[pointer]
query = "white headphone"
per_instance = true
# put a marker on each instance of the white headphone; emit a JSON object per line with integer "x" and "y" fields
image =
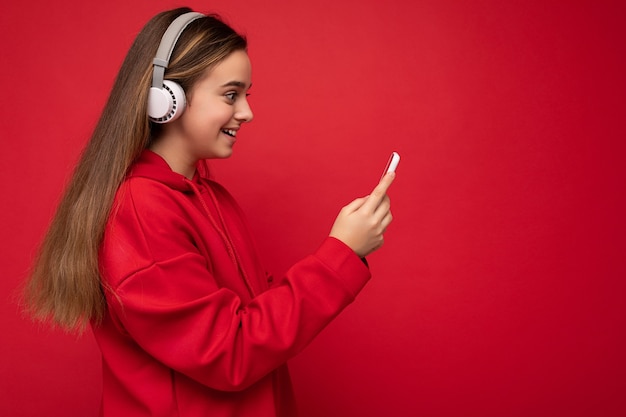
{"x": 166, "y": 99}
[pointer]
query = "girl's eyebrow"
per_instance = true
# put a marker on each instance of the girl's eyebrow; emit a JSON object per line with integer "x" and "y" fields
{"x": 239, "y": 84}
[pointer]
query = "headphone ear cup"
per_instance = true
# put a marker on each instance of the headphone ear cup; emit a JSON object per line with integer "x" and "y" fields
{"x": 166, "y": 104}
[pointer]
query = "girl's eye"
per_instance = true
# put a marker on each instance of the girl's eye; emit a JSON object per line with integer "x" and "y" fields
{"x": 231, "y": 96}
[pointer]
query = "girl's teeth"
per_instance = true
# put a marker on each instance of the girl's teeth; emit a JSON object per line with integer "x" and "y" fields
{"x": 229, "y": 132}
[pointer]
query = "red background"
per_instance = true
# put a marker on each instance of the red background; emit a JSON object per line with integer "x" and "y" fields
{"x": 500, "y": 290}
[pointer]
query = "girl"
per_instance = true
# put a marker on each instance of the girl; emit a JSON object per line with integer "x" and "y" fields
{"x": 158, "y": 258}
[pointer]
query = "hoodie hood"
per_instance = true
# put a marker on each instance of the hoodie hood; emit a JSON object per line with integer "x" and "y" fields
{"x": 153, "y": 166}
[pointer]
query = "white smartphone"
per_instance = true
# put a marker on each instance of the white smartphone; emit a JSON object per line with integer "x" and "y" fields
{"x": 392, "y": 164}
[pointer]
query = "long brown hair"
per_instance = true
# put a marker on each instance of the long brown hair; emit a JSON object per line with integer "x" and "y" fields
{"x": 64, "y": 286}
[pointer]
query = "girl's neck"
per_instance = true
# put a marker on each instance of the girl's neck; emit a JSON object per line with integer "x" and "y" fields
{"x": 178, "y": 165}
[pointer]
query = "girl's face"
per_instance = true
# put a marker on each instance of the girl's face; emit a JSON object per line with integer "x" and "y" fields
{"x": 217, "y": 106}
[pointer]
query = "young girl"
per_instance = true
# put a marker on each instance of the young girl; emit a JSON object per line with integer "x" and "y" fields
{"x": 158, "y": 258}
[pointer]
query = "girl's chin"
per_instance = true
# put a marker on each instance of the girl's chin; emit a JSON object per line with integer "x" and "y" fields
{"x": 224, "y": 154}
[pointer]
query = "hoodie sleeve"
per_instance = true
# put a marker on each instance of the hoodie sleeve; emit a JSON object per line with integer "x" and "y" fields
{"x": 175, "y": 310}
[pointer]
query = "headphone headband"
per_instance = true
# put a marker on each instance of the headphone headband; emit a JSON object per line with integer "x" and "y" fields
{"x": 168, "y": 41}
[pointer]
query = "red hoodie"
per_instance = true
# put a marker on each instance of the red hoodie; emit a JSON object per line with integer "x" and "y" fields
{"x": 194, "y": 326}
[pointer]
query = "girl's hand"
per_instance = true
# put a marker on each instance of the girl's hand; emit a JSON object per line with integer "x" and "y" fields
{"x": 361, "y": 224}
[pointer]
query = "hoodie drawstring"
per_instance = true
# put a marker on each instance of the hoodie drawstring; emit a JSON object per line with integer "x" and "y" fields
{"x": 222, "y": 231}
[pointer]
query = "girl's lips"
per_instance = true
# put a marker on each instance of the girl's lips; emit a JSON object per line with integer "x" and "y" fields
{"x": 230, "y": 138}
{"x": 230, "y": 132}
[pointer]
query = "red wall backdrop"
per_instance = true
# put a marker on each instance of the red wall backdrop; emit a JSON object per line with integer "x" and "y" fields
{"x": 501, "y": 288}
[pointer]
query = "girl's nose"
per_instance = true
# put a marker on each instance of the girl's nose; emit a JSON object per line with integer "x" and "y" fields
{"x": 244, "y": 112}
